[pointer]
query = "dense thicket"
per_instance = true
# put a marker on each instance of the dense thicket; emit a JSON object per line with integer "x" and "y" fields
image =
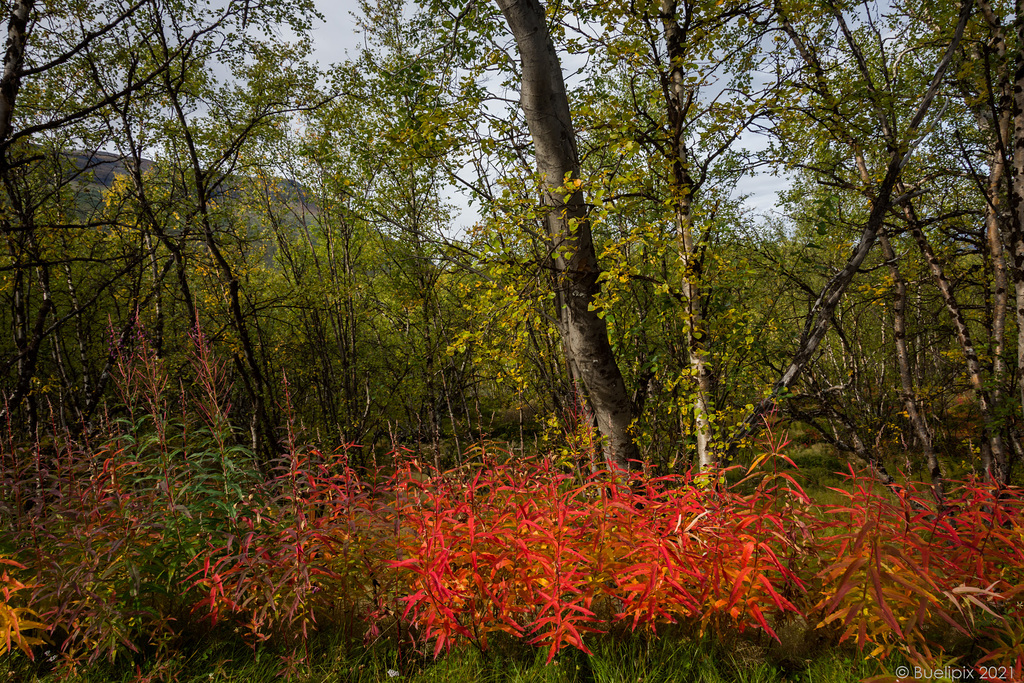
{"x": 169, "y": 171}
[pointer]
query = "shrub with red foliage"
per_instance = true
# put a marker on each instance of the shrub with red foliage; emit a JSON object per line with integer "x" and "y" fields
{"x": 524, "y": 549}
{"x": 312, "y": 554}
{"x": 894, "y": 573}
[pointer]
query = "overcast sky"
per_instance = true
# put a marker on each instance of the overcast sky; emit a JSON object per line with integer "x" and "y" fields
{"x": 338, "y": 32}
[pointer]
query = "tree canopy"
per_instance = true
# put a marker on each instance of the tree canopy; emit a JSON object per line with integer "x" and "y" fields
{"x": 526, "y": 221}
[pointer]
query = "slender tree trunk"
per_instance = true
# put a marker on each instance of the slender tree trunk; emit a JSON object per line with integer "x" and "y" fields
{"x": 26, "y": 342}
{"x": 683, "y": 193}
{"x": 28, "y": 337}
{"x": 14, "y": 59}
{"x": 995, "y": 115}
{"x": 80, "y": 334}
{"x": 910, "y": 404}
{"x": 1017, "y": 192}
{"x": 1000, "y": 291}
{"x": 248, "y": 364}
{"x": 546, "y": 107}
{"x": 996, "y": 465}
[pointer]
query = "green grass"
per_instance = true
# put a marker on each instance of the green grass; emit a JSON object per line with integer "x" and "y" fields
{"x": 630, "y": 658}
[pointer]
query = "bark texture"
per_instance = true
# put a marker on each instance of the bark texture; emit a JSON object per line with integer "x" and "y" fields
{"x": 14, "y": 59}
{"x": 1017, "y": 191}
{"x": 679, "y": 99}
{"x": 546, "y": 107}
{"x": 909, "y": 392}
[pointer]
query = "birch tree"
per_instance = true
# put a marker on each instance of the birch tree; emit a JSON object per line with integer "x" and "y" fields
{"x": 546, "y": 106}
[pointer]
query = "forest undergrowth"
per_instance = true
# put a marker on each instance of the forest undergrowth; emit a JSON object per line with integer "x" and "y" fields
{"x": 162, "y": 535}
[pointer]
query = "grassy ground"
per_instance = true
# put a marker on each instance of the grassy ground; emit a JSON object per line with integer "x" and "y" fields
{"x": 626, "y": 659}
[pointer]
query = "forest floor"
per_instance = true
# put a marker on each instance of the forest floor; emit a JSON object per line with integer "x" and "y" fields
{"x": 623, "y": 658}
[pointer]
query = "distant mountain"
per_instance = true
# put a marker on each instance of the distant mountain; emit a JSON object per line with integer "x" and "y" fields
{"x": 104, "y": 166}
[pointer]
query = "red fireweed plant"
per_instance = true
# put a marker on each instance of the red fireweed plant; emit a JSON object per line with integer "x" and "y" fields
{"x": 311, "y": 555}
{"x": 109, "y": 523}
{"x": 897, "y": 575}
{"x": 525, "y": 549}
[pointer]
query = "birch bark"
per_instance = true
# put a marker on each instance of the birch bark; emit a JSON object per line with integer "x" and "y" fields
{"x": 546, "y": 106}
